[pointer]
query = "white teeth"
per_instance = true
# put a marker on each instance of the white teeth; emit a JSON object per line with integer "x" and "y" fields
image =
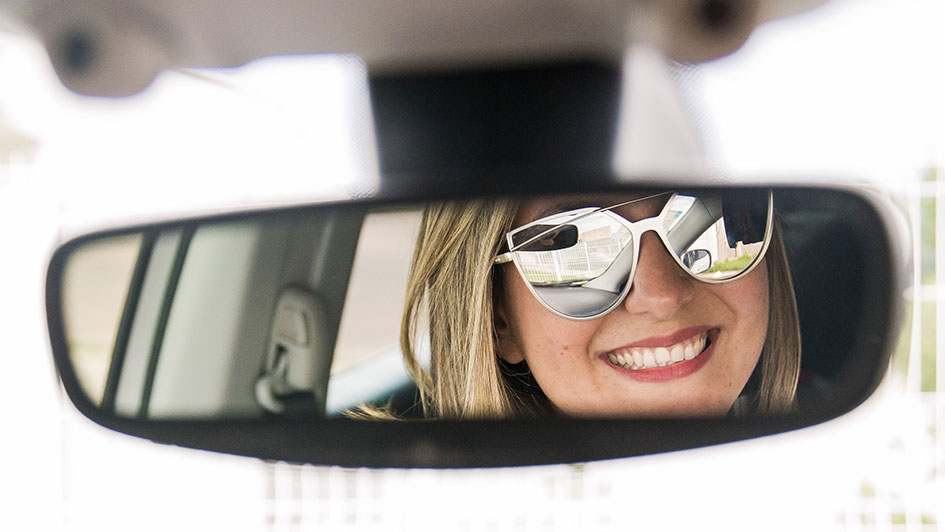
{"x": 645, "y": 357}
{"x": 662, "y": 356}
{"x": 649, "y": 359}
{"x": 678, "y": 353}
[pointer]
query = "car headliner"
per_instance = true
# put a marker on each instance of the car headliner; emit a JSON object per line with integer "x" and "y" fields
{"x": 138, "y": 39}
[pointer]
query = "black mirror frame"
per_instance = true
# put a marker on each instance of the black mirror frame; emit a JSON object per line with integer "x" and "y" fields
{"x": 497, "y": 443}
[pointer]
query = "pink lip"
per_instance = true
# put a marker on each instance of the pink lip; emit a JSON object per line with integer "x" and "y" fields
{"x": 674, "y": 371}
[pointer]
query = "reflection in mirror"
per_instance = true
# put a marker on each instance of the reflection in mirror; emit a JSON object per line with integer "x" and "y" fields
{"x": 697, "y": 260}
{"x": 635, "y": 304}
{"x": 95, "y": 287}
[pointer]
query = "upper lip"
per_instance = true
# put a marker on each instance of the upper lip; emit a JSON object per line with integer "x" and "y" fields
{"x": 664, "y": 341}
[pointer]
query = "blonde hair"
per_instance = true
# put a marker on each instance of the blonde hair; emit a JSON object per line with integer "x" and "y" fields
{"x": 450, "y": 303}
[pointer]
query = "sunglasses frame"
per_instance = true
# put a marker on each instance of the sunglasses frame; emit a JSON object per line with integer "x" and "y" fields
{"x": 637, "y": 229}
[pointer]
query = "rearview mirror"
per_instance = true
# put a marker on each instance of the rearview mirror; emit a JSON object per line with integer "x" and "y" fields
{"x": 481, "y": 331}
{"x": 698, "y": 260}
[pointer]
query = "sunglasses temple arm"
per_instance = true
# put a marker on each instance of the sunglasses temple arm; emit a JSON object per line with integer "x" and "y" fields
{"x": 503, "y": 258}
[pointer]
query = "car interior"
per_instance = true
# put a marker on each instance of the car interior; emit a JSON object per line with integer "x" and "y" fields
{"x": 298, "y": 313}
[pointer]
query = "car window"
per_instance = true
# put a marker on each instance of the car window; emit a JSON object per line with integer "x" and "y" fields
{"x": 93, "y": 306}
{"x": 370, "y": 324}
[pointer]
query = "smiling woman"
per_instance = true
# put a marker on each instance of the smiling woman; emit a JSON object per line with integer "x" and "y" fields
{"x": 600, "y": 317}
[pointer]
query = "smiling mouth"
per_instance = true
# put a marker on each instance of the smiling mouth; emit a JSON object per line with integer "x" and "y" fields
{"x": 641, "y": 358}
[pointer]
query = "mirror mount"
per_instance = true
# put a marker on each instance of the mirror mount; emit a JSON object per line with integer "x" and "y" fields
{"x": 503, "y": 130}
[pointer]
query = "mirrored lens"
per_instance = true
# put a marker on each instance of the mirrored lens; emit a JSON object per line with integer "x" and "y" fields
{"x": 717, "y": 236}
{"x": 571, "y": 254}
{"x": 579, "y": 269}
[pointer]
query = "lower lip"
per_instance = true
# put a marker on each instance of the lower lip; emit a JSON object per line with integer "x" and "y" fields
{"x": 673, "y": 371}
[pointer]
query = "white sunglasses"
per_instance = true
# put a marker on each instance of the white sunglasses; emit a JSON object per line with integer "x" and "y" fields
{"x": 580, "y": 264}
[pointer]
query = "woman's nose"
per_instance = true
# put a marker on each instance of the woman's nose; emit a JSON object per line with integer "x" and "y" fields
{"x": 659, "y": 286}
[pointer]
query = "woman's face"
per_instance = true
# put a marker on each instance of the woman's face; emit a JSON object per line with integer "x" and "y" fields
{"x": 578, "y": 365}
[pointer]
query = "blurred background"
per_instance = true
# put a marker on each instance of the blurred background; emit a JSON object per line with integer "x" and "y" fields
{"x": 852, "y": 91}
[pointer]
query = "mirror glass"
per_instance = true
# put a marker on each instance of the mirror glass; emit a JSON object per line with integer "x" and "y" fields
{"x": 628, "y": 304}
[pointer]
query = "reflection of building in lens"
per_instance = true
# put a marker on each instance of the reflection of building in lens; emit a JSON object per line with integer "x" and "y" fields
{"x": 727, "y": 253}
{"x": 747, "y": 249}
{"x": 601, "y": 233}
{"x": 727, "y": 259}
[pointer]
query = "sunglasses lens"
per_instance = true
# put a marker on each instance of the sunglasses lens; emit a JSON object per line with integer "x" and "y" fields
{"x": 574, "y": 268}
{"x": 718, "y": 236}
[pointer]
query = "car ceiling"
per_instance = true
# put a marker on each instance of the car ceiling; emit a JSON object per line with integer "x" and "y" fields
{"x": 134, "y": 40}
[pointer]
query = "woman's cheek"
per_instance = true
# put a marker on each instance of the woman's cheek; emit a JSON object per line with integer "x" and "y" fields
{"x": 538, "y": 329}
{"x": 550, "y": 338}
